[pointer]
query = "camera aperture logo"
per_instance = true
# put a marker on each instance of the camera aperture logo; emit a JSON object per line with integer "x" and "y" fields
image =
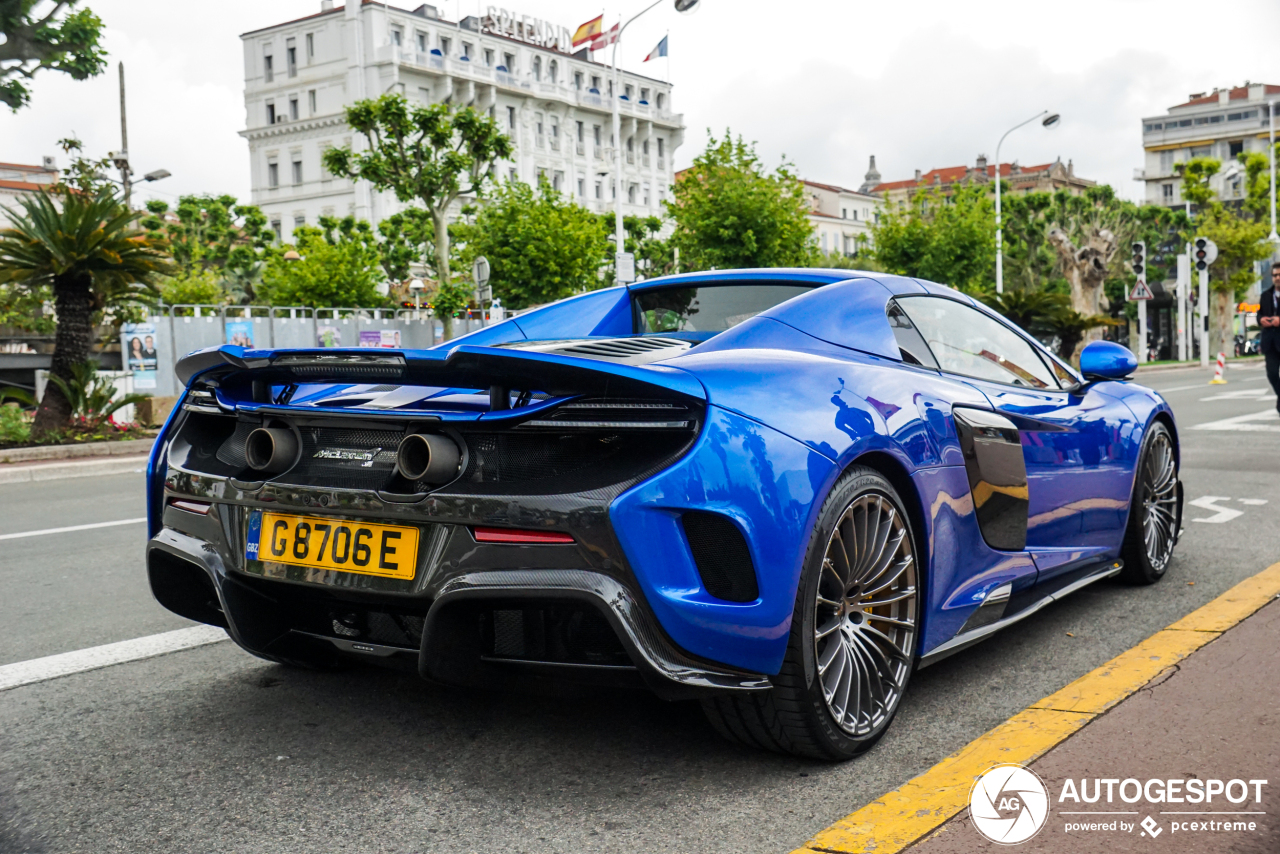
{"x": 1009, "y": 804}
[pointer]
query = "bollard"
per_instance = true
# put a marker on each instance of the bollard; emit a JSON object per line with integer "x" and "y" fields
{"x": 1218, "y": 378}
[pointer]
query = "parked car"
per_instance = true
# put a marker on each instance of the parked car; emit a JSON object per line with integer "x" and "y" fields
{"x": 776, "y": 491}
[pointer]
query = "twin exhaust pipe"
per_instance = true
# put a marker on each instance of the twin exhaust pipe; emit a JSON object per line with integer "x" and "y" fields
{"x": 428, "y": 457}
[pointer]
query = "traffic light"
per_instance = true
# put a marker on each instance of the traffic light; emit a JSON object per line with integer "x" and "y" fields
{"x": 1204, "y": 252}
{"x": 1139, "y": 263}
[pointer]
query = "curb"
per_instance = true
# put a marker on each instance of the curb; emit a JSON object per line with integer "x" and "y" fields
{"x": 68, "y": 452}
{"x": 899, "y": 819}
{"x": 1187, "y": 366}
{"x": 80, "y": 468}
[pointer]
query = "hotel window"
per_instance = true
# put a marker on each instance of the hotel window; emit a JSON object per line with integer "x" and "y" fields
{"x": 553, "y": 71}
{"x": 1202, "y": 151}
{"x": 631, "y": 194}
{"x": 275, "y": 227}
{"x": 844, "y": 213}
{"x": 855, "y": 215}
{"x": 1235, "y": 148}
{"x": 537, "y": 126}
{"x": 422, "y": 42}
{"x": 293, "y": 109}
{"x": 297, "y": 171}
{"x": 644, "y": 96}
{"x": 537, "y": 68}
{"x": 557, "y": 181}
{"x": 595, "y": 82}
{"x": 311, "y": 47}
{"x": 511, "y": 117}
{"x": 582, "y": 131}
{"x": 577, "y": 80}
{"x": 1166, "y": 162}
{"x": 467, "y": 49}
{"x": 595, "y": 134}
{"x": 268, "y": 67}
{"x": 599, "y": 190}
{"x": 509, "y": 62}
{"x": 582, "y": 187}
{"x": 445, "y": 44}
{"x": 661, "y": 100}
{"x": 627, "y": 91}
{"x": 645, "y": 147}
{"x": 1167, "y": 193}
{"x": 291, "y": 56}
{"x": 299, "y": 222}
{"x": 273, "y": 173}
{"x": 311, "y": 100}
{"x": 397, "y": 36}
{"x": 511, "y": 175}
{"x": 661, "y": 146}
{"x": 271, "y": 113}
{"x": 488, "y": 58}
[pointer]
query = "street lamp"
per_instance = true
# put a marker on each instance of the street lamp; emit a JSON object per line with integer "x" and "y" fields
{"x": 684, "y": 7}
{"x": 1051, "y": 120}
{"x": 416, "y": 286}
{"x": 1271, "y": 156}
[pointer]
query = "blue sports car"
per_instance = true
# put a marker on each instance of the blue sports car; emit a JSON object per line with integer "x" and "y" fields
{"x": 775, "y": 491}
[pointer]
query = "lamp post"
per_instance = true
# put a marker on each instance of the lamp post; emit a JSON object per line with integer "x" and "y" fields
{"x": 1271, "y": 157}
{"x": 120, "y": 159}
{"x": 1050, "y": 120}
{"x": 682, "y": 6}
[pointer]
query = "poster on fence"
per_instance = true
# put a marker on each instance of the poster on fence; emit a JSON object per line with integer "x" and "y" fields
{"x": 380, "y": 338}
{"x": 328, "y": 336}
{"x": 138, "y": 343}
{"x": 240, "y": 333}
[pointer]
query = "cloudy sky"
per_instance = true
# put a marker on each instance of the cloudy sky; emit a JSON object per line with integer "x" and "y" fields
{"x": 826, "y": 83}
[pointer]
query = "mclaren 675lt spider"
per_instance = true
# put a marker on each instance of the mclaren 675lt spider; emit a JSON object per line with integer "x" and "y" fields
{"x": 778, "y": 492}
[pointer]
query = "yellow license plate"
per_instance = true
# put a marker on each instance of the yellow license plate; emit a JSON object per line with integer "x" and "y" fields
{"x": 390, "y": 551}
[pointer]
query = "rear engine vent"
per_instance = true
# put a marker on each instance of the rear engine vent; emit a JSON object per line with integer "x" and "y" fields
{"x": 556, "y": 634}
{"x": 722, "y": 557}
{"x": 622, "y": 348}
{"x": 619, "y": 413}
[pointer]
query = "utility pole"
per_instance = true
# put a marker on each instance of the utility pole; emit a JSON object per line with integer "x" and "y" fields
{"x": 123, "y": 160}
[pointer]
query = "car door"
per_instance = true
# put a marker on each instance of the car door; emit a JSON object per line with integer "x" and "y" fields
{"x": 1077, "y": 483}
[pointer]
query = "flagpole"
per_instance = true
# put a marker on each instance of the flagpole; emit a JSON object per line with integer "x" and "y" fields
{"x": 619, "y": 235}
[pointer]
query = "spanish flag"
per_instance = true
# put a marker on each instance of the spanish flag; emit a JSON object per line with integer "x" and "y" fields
{"x": 589, "y": 31}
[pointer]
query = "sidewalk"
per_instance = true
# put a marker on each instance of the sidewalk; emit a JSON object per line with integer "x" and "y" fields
{"x": 86, "y": 467}
{"x": 1215, "y": 716}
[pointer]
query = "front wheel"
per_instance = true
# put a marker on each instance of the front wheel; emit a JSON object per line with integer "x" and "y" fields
{"x": 853, "y": 634}
{"x": 1153, "y": 514}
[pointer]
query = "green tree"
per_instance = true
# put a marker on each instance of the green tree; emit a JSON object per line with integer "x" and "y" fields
{"x": 340, "y": 266}
{"x": 407, "y": 238}
{"x": 730, "y": 212}
{"x": 214, "y": 234}
{"x": 60, "y": 39}
{"x": 541, "y": 246}
{"x": 1241, "y": 236}
{"x": 946, "y": 239}
{"x": 422, "y": 154}
{"x": 198, "y": 287}
{"x": 654, "y": 255}
{"x": 89, "y": 251}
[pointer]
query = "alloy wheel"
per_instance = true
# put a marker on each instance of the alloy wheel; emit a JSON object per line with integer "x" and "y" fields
{"x": 1159, "y": 501}
{"x": 865, "y": 620}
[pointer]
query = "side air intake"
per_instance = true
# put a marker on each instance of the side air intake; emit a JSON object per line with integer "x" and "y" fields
{"x": 722, "y": 556}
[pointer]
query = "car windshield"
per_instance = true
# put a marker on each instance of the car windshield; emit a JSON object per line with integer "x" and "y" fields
{"x": 710, "y": 308}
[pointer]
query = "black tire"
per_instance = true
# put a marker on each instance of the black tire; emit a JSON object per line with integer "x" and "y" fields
{"x": 1155, "y": 504}
{"x": 796, "y": 716}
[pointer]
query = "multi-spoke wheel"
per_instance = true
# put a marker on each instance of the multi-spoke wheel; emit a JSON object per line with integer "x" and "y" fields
{"x": 853, "y": 634}
{"x": 1154, "y": 513}
{"x": 866, "y": 627}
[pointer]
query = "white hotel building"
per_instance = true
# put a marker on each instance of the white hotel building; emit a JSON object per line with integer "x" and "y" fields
{"x": 300, "y": 75}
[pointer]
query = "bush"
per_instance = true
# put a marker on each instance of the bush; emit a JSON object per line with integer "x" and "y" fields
{"x": 198, "y": 288}
{"x": 15, "y": 425}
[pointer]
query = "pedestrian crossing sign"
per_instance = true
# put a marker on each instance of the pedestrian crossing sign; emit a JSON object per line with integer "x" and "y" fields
{"x": 1141, "y": 291}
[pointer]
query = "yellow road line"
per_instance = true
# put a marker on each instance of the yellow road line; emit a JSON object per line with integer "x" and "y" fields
{"x": 906, "y": 815}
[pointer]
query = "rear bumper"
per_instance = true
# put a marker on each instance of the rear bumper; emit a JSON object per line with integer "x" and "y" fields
{"x": 436, "y": 623}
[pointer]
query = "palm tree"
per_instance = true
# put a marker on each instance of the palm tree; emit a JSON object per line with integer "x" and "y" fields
{"x": 87, "y": 247}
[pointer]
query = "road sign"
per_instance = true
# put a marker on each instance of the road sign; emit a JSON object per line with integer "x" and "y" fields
{"x": 1141, "y": 291}
{"x": 626, "y": 264}
{"x": 480, "y": 272}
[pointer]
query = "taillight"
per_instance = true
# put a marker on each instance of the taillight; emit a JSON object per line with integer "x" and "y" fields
{"x": 200, "y": 507}
{"x": 521, "y": 537}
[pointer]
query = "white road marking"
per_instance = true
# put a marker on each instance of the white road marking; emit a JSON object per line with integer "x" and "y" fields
{"x": 95, "y": 657}
{"x": 1245, "y": 423}
{"x": 1224, "y": 514}
{"x": 1240, "y": 394}
{"x": 1201, "y": 386}
{"x": 19, "y": 536}
{"x": 1253, "y": 501}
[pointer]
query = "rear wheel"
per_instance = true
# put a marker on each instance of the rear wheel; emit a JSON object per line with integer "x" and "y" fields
{"x": 1153, "y": 514}
{"x": 853, "y": 634}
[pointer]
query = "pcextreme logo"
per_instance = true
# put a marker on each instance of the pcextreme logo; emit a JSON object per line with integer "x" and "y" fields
{"x": 1009, "y": 804}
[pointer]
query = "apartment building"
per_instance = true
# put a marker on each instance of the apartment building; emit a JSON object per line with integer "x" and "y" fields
{"x": 555, "y": 105}
{"x": 1223, "y": 124}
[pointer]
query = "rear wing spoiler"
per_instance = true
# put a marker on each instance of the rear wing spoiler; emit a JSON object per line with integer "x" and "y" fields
{"x": 498, "y": 370}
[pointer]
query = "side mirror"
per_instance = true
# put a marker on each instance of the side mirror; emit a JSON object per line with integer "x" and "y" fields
{"x": 1106, "y": 360}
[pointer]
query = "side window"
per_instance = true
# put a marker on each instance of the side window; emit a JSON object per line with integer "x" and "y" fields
{"x": 912, "y": 345}
{"x": 966, "y": 341}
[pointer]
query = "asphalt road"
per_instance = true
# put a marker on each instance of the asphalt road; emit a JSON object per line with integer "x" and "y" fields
{"x": 213, "y": 750}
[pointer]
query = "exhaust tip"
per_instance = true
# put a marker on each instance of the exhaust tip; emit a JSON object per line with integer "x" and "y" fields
{"x": 428, "y": 457}
{"x": 271, "y": 449}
